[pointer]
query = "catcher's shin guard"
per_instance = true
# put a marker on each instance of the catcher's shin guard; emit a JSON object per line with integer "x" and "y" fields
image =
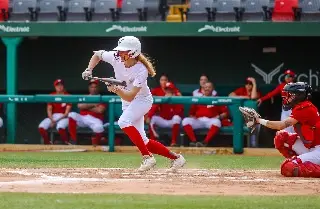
{"x": 284, "y": 141}
{"x": 299, "y": 169}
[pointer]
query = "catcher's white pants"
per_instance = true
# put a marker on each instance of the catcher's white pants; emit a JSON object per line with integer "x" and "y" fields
{"x": 285, "y": 114}
{"x": 202, "y": 122}
{"x": 84, "y": 121}
{"x": 133, "y": 115}
{"x": 1, "y": 122}
{"x": 305, "y": 154}
{"x": 61, "y": 124}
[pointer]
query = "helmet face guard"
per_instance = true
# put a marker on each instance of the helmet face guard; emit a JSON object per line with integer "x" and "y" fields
{"x": 288, "y": 100}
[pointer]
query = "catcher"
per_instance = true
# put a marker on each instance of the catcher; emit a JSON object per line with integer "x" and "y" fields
{"x": 301, "y": 149}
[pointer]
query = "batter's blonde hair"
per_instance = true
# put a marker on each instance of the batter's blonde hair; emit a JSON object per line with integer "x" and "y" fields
{"x": 148, "y": 64}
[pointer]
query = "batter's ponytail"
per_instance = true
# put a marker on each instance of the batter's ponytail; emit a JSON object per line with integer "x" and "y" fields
{"x": 148, "y": 64}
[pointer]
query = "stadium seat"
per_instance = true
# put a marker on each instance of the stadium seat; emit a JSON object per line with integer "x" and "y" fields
{"x": 199, "y": 10}
{"x": 309, "y": 10}
{"x": 131, "y": 10}
{"x": 226, "y": 10}
{"x": 50, "y": 10}
{"x": 4, "y": 8}
{"x": 154, "y": 10}
{"x": 23, "y": 10}
{"x": 79, "y": 10}
{"x": 254, "y": 10}
{"x": 104, "y": 10}
{"x": 284, "y": 10}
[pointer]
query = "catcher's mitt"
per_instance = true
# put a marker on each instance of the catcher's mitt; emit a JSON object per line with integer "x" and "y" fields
{"x": 250, "y": 117}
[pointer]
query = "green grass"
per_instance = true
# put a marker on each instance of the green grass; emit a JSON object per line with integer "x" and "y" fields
{"x": 120, "y": 160}
{"x": 106, "y": 201}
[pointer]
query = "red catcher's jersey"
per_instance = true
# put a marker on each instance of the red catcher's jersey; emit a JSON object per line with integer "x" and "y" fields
{"x": 308, "y": 124}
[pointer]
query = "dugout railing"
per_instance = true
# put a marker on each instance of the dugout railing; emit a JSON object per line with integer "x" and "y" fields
{"x": 237, "y": 130}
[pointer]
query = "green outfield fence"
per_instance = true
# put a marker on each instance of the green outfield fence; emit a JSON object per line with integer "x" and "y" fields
{"x": 233, "y": 104}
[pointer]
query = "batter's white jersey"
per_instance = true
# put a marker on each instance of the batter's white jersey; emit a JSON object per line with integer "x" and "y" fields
{"x": 134, "y": 76}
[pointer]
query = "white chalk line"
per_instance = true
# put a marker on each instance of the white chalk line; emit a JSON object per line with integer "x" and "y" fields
{"x": 127, "y": 177}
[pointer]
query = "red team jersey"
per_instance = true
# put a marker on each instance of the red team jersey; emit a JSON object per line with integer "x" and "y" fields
{"x": 59, "y": 107}
{"x": 242, "y": 91}
{"x": 94, "y": 114}
{"x": 209, "y": 111}
{"x": 275, "y": 92}
{"x": 161, "y": 93}
{"x": 309, "y": 123}
{"x": 166, "y": 111}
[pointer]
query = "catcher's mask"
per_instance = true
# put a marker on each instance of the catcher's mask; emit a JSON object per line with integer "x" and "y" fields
{"x": 294, "y": 93}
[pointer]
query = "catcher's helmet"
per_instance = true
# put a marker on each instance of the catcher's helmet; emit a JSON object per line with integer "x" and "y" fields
{"x": 294, "y": 93}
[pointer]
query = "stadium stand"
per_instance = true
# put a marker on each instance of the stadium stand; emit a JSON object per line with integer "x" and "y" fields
{"x": 254, "y": 10}
{"x": 199, "y": 10}
{"x": 78, "y": 10}
{"x": 23, "y": 10}
{"x": 283, "y": 10}
{"x": 104, "y": 10}
{"x": 50, "y": 10}
{"x": 308, "y": 10}
{"x": 131, "y": 10}
{"x": 226, "y": 10}
{"x": 4, "y": 6}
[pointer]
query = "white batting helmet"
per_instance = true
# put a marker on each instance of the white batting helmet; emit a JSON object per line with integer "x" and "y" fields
{"x": 131, "y": 44}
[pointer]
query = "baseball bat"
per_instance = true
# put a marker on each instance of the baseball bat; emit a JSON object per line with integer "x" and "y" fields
{"x": 111, "y": 81}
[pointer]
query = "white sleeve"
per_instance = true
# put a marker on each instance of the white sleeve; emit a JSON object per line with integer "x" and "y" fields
{"x": 108, "y": 56}
{"x": 140, "y": 79}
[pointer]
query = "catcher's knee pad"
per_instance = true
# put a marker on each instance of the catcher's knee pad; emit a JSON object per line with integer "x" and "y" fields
{"x": 295, "y": 168}
{"x": 283, "y": 141}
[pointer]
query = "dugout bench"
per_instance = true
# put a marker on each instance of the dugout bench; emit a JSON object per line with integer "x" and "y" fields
{"x": 237, "y": 130}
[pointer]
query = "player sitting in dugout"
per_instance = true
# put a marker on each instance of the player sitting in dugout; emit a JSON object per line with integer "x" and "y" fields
{"x": 160, "y": 91}
{"x": 166, "y": 116}
{"x": 205, "y": 116}
{"x": 200, "y": 91}
{"x": 57, "y": 116}
{"x": 91, "y": 115}
{"x": 248, "y": 91}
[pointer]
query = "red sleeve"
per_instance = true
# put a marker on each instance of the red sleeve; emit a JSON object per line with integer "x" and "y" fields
{"x": 300, "y": 115}
{"x": 154, "y": 91}
{"x": 273, "y": 93}
{"x": 179, "y": 110}
{"x": 153, "y": 110}
{"x": 193, "y": 110}
{"x": 238, "y": 91}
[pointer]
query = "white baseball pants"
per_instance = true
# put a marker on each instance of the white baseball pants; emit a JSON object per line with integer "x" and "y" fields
{"x": 61, "y": 124}
{"x": 133, "y": 115}
{"x": 285, "y": 114}
{"x": 1, "y": 122}
{"x": 305, "y": 154}
{"x": 164, "y": 123}
{"x": 84, "y": 121}
{"x": 202, "y": 122}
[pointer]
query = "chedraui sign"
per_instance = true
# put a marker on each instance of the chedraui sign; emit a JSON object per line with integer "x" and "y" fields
{"x": 16, "y": 29}
{"x": 127, "y": 29}
{"x": 220, "y": 29}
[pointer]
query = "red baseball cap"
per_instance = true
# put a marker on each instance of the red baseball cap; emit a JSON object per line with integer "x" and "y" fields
{"x": 290, "y": 73}
{"x": 93, "y": 81}
{"x": 58, "y": 81}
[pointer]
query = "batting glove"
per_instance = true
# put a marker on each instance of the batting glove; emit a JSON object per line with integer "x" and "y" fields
{"x": 87, "y": 74}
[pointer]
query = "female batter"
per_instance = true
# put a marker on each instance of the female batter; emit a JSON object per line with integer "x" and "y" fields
{"x": 132, "y": 66}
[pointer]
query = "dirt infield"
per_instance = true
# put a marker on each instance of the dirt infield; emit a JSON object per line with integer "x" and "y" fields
{"x": 157, "y": 181}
